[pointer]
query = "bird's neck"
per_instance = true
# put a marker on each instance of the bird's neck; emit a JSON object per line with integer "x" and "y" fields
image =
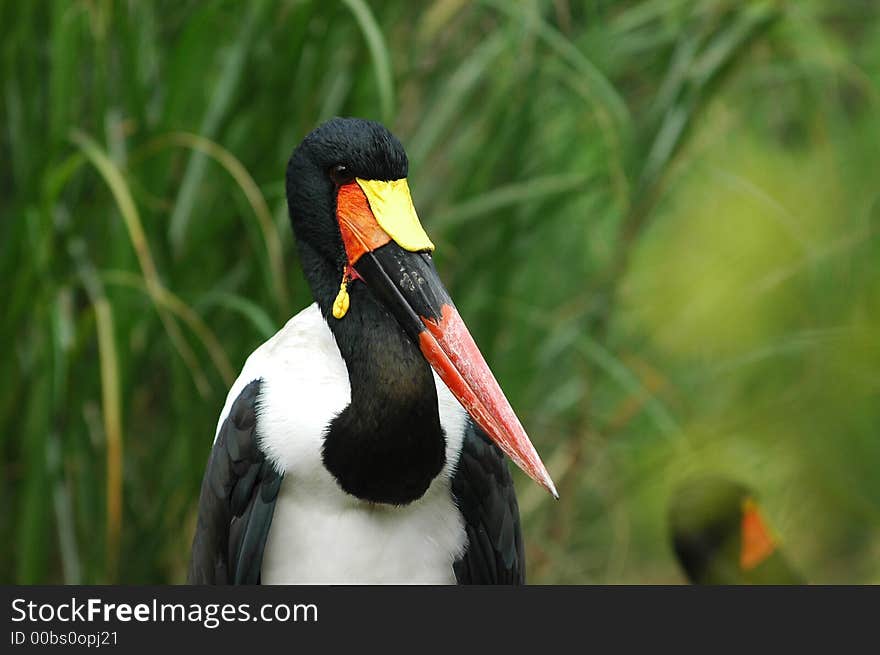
{"x": 387, "y": 445}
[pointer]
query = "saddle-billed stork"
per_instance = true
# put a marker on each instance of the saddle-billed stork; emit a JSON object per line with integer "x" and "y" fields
{"x": 363, "y": 442}
{"x": 720, "y": 537}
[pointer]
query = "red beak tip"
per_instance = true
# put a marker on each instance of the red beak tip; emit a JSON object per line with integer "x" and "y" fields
{"x": 548, "y": 484}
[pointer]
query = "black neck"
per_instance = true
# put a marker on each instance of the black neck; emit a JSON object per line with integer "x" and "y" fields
{"x": 387, "y": 445}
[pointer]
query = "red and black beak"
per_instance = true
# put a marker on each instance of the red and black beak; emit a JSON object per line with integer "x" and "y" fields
{"x": 389, "y": 251}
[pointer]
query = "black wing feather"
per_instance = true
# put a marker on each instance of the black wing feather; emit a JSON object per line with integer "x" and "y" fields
{"x": 237, "y": 501}
{"x": 484, "y": 491}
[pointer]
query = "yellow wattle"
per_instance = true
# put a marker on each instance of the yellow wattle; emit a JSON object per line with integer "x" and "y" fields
{"x": 342, "y": 302}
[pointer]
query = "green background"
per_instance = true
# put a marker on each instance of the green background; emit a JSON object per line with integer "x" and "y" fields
{"x": 659, "y": 219}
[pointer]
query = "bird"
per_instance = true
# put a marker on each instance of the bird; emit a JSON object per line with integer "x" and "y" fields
{"x": 365, "y": 442}
{"x": 720, "y": 537}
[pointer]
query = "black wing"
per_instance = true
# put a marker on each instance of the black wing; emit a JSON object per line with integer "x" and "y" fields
{"x": 236, "y": 502}
{"x": 484, "y": 491}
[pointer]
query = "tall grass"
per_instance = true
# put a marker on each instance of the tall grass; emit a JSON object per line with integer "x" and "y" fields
{"x": 659, "y": 219}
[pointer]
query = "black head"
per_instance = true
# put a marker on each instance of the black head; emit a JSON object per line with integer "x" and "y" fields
{"x": 706, "y": 511}
{"x": 332, "y": 155}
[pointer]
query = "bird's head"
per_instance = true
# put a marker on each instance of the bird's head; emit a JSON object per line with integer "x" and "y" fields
{"x": 718, "y": 531}
{"x": 337, "y": 157}
{"x": 355, "y": 224}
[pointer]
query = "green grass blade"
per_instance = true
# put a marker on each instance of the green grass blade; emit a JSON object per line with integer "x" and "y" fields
{"x": 510, "y": 195}
{"x": 252, "y": 193}
{"x": 219, "y": 105}
{"x": 379, "y": 54}
{"x": 134, "y": 226}
{"x": 173, "y": 304}
{"x": 111, "y": 404}
{"x": 261, "y": 321}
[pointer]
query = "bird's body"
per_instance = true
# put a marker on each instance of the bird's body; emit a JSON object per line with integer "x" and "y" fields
{"x": 363, "y": 442}
{"x": 323, "y": 535}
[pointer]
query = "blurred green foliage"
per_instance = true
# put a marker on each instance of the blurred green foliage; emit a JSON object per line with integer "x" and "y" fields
{"x": 659, "y": 218}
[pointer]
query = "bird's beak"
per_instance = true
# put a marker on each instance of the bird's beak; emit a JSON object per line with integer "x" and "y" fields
{"x": 756, "y": 540}
{"x": 388, "y": 249}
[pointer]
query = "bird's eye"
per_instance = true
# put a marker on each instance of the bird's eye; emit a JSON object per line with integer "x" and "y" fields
{"x": 340, "y": 174}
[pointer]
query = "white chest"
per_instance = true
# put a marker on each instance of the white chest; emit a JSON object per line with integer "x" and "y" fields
{"x": 352, "y": 542}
